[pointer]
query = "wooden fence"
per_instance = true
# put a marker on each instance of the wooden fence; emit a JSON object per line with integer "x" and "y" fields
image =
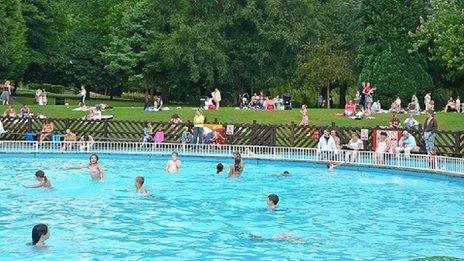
{"x": 290, "y": 135}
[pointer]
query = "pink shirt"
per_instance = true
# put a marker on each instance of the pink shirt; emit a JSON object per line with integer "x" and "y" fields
{"x": 159, "y": 136}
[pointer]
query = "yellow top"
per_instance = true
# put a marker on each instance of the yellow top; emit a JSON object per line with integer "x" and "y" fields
{"x": 198, "y": 121}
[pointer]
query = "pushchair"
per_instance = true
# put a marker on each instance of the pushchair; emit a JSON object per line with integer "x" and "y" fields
{"x": 245, "y": 100}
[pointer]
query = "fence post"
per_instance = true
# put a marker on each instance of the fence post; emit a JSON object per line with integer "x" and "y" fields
{"x": 29, "y": 125}
{"x": 457, "y": 143}
{"x": 253, "y": 134}
{"x": 105, "y": 130}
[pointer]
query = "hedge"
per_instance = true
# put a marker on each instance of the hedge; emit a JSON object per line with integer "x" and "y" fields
{"x": 48, "y": 87}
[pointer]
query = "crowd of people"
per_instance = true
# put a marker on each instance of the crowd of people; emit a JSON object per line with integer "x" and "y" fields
{"x": 261, "y": 101}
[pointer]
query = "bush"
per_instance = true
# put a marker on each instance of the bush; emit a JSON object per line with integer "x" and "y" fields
{"x": 59, "y": 89}
{"x": 136, "y": 96}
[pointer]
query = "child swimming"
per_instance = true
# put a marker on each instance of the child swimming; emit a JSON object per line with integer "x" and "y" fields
{"x": 272, "y": 201}
{"x": 43, "y": 181}
{"x": 139, "y": 181}
{"x": 219, "y": 168}
{"x": 331, "y": 165}
{"x": 40, "y": 233}
{"x": 173, "y": 165}
{"x": 236, "y": 169}
{"x": 95, "y": 169}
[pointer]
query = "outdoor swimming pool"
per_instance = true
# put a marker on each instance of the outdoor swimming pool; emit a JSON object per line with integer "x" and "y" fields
{"x": 351, "y": 213}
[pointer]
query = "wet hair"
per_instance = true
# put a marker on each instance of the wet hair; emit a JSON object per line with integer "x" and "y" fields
{"x": 237, "y": 162}
{"x": 175, "y": 154}
{"x": 219, "y": 168}
{"x": 41, "y": 174}
{"x": 273, "y": 198}
{"x": 38, "y": 231}
{"x": 140, "y": 180}
{"x": 286, "y": 173}
{"x": 96, "y": 156}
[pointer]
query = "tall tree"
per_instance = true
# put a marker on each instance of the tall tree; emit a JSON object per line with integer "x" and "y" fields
{"x": 442, "y": 34}
{"x": 384, "y": 57}
{"x": 13, "y": 51}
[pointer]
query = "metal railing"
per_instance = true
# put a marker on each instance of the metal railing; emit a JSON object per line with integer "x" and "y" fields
{"x": 416, "y": 162}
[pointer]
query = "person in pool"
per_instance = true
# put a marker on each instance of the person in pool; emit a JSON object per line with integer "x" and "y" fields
{"x": 272, "y": 201}
{"x": 95, "y": 169}
{"x": 173, "y": 165}
{"x": 43, "y": 181}
{"x": 219, "y": 168}
{"x": 236, "y": 169}
{"x": 139, "y": 181}
{"x": 285, "y": 174}
{"x": 40, "y": 233}
{"x": 331, "y": 165}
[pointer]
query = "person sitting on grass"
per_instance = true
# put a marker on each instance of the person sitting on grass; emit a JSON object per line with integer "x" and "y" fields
{"x": 395, "y": 123}
{"x": 396, "y": 106}
{"x": 376, "y": 107}
{"x": 350, "y": 109}
{"x": 272, "y": 201}
{"x": 47, "y": 130}
{"x": 450, "y": 105}
{"x": 139, "y": 188}
{"x": 410, "y": 123}
{"x": 44, "y": 182}
{"x": 25, "y": 112}
{"x": 9, "y": 112}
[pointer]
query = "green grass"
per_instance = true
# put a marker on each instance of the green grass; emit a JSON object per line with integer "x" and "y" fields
{"x": 131, "y": 110}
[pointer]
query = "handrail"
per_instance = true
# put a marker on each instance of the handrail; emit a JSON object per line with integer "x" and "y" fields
{"x": 416, "y": 162}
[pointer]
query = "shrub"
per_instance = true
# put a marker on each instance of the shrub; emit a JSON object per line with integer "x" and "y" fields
{"x": 136, "y": 96}
{"x": 48, "y": 87}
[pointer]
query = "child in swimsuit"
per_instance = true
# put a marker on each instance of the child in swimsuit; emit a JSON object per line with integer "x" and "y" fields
{"x": 43, "y": 181}
{"x": 173, "y": 165}
{"x": 139, "y": 180}
{"x": 95, "y": 170}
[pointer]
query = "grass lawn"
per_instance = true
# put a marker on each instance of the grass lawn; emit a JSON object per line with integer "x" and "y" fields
{"x": 130, "y": 110}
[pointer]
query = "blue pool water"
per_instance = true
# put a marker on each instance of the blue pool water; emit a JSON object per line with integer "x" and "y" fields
{"x": 348, "y": 214}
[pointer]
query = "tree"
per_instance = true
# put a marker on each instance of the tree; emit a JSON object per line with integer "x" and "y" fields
{"x": 384, "y": 57}
{"x": 13, "y": 51}
{"x": 442, "y": 35}
{"x": 327, "y": 65}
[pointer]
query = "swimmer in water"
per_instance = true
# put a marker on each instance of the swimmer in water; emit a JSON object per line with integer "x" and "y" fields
{"x": 40, "y": 233}
{"x": 95, "y": 170}
{"x": 272, "y": 201}
{"x": 331, "y": 165}
{"x": 139, "y": 181}
{"x": 236, "y": 169}
{"x": 173, "y": 165}
{"x": 43, "y": 181}
{"x": 219, "y": 168}
{"x": 285, "y": 174}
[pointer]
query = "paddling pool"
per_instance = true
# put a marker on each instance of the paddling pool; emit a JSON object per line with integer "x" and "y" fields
{"x": 350, "y": 213}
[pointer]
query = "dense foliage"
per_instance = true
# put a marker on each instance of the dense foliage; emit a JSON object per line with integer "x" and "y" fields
{"x": 185, "y": 48}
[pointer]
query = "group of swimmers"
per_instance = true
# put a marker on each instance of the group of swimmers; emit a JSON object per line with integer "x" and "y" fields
{"x": 40, "y": 232}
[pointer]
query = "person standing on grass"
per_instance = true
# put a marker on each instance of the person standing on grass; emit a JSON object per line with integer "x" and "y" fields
{"x": 6, "y": 91}
{"x": 304, "y": 116}
{"x": 430, "y": 130}
{"x": 198, "y": 122}
{"x": 216, "y": 95}
{"x": 82, "y": 93}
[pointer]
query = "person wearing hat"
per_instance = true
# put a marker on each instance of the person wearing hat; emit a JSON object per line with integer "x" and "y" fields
{"x": 430, "y": 130}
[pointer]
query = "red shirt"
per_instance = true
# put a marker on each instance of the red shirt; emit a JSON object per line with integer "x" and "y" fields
{"x": 350, "y": 107}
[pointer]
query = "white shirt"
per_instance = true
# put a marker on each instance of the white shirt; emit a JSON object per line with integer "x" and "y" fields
{"x": 411, "y": 123}
{"x": 358, "y": 145}
{"x": 83, "y": 92}
{"x": 326, "y": 144}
